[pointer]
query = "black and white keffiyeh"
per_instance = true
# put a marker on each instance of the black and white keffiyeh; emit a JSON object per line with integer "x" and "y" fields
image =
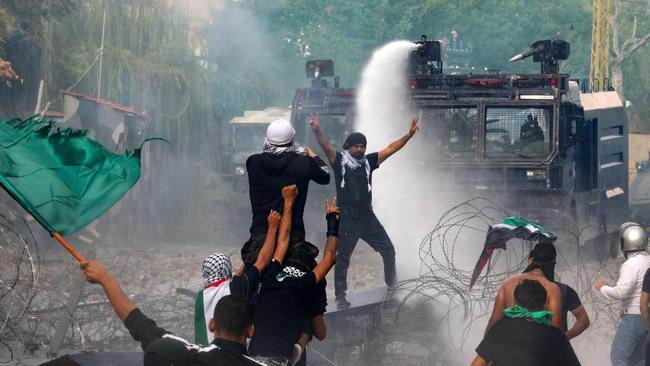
{"x": 350, "y": 162}
{"x": 289, "y": 272}
{"x": 216, "y": 266}
{"x": 278, "y": 149}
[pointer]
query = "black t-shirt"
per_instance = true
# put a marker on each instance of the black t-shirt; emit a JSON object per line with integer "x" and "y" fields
{"x": 317, "y": 302}
{"x": 246, "y": 284}
{"x": 519, "y": 342}
{"x": 280, "y": 312}
{"x": 269, "y": 173}
{"x": 163, "y": 348}
{"x": 570, "y": 302}
{"x": 354, "y": 196}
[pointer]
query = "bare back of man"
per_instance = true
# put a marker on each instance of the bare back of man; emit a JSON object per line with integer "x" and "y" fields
{"x": 506, "y": 297}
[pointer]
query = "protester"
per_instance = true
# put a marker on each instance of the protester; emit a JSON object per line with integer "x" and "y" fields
{"x": 541, "y": 269}
{"x": 543, "y": 257}
{"x": 353, "y": 174}
{"x": 282, "y": 162}
{"x": 217, "y": 274}
{"x": 231, "y": 325}
{"x": 571, "y": 303}
{"x": 628, "y": 347}
{"x": 285, "y": 288}
{"x": 525, "y": 336}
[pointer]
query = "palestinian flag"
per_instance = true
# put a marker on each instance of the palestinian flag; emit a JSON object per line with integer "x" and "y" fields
{"x": 499, "y": 234}
{"x": 204, "y": 305}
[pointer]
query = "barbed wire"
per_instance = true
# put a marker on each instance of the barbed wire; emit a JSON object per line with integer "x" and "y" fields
{"x": 18, "y": 276}
{"x": 441, "y": 292}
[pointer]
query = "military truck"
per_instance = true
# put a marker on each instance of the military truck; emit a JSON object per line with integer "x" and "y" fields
{"x": 543, "y": 146}
{"x": 542, "y": 143}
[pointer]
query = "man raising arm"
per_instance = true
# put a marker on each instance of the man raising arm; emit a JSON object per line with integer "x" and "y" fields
{"x": 353, "y": 173}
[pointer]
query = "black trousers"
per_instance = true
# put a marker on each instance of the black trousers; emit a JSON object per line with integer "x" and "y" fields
{"x": 364, "y": 226}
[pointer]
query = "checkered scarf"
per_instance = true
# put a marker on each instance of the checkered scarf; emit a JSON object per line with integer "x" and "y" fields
{"x": 289, "y": 271}
{"x": 275, "y": 149}
{"x": 216, "y": 266}
{"x": 350, "y": 162}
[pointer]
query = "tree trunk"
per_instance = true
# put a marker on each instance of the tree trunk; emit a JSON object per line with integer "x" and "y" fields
{"x": 616, "y": 74}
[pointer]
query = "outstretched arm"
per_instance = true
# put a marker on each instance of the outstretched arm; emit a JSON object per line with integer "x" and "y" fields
{"x": 289, "y": 193}
{"x": 329, "y": 255}
{"x": 96, "y": 273}
{"x": 396, "y": 145}
{"x": 324, "y": 143}
{"x": 265, "y": 254}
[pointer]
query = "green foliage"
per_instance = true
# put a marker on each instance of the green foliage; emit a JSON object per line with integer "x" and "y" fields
{"x": 252, "y": 54}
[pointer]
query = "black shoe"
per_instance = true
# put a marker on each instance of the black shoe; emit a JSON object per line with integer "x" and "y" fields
{"x": 342, "y": 303}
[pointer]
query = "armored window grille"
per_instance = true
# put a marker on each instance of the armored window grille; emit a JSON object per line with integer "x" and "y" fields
{"x": 517, "y": 133}
{"x": 451, "y": 133}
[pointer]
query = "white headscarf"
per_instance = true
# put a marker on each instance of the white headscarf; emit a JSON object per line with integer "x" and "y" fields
{"x": 280, "y": 138}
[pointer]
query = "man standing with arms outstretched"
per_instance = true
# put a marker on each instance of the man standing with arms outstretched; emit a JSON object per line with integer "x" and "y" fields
{"x": 353, "y": 173}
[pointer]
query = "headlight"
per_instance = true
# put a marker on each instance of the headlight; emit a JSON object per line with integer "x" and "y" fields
{"x": 240, "y": 170}
{"x": 536, "y": 174}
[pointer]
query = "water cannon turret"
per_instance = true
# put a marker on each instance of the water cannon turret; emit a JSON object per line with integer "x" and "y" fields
{"x": 547, "y": 52}
{"x": 426, "y": 59}
{"x": 318, "y": 69}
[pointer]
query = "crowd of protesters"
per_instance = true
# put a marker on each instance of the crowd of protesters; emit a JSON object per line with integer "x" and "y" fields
{"x": 269, "y": 310}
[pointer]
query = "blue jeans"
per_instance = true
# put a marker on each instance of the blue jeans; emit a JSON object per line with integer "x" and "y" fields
{"x": 628, "y": 347}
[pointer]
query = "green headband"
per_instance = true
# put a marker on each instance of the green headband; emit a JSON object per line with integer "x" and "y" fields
{"x": 539, "y": 317}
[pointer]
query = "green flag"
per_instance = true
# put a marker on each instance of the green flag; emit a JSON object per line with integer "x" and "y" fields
{"x": 63, "y": 178}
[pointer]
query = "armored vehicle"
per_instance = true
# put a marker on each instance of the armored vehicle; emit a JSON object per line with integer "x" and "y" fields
{"x": 547, "y": 147}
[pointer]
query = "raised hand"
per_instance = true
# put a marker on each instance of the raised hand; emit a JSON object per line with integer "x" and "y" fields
{"x": 274, "y": 219}
{"x": 315, "y": 122}
{"x": 311, "y": 153}
{"x": 414, "y": 126}
{"x": 330, "y": 206}
{"x": 94, "y": 272}
{"x": 289, "y": 193}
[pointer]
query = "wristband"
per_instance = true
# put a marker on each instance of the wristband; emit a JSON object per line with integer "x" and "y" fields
{"x": 332, "y": 224}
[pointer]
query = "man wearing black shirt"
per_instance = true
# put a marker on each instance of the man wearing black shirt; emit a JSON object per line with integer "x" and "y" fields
{"x": 562, "y": 298}
{"x": 232, "y": 324}
{"x": 281, "y": 163}
{"x": 217, "y": 272}
{"x": 571, "y": 303}
{"x": 353, "y": 174}
{"x": 285, "y": 292}
{"x": 524, "y": 337}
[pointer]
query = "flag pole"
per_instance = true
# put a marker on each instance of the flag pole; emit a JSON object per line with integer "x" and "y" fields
{"x": 67, "y": 246}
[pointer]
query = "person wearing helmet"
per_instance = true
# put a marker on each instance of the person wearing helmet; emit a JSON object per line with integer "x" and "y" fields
{"x": 628, "y": 347}
{"x": 281, "y": 163}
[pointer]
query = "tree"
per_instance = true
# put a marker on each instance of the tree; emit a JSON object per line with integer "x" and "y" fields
{"x": 623, "y": 50}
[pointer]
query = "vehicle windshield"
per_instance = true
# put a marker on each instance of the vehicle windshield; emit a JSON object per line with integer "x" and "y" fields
{"x": 248, "y": 137}
{"x": 453, "y": 132}
{"x": 517, "y": 132}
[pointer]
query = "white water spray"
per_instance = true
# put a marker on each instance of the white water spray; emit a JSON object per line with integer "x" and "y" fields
{"x": 381, "y": 100}
{"x": 404, "y": 196}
